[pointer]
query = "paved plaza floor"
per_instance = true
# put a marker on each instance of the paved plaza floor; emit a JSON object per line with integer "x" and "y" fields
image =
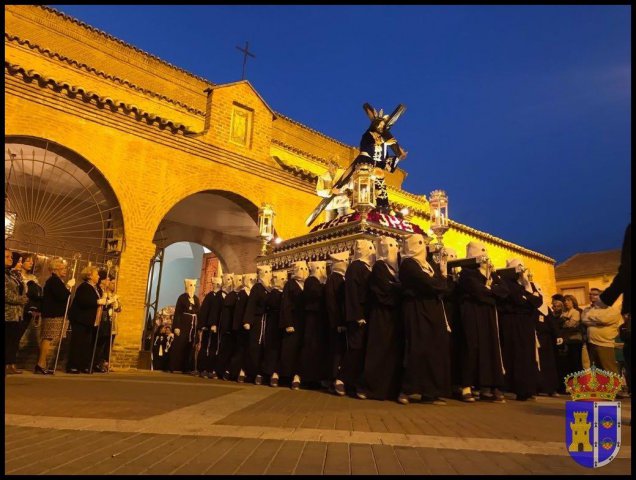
{"x": 160, "y": 423}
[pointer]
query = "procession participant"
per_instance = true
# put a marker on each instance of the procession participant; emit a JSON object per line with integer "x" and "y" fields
{"x": 480, "y": 347}
{"x": 547, "y": 330}
{"x": 237, "y": 364}
{"x": 255, "y": 322}
{"x": 385, "y": 344}
{"x": 273, "y": 333}
{"x": 184, "y": 327}
{"x": 33, "y": 308}
{"x": 225, "y": 335}
{"x": 15, "y": 299}
{"x": 160, "y": 349}
{"x": 427, "y": 366}
{"x": 205, "y": 333}
{"x": 84, "y": 315}
{"x": 313, "y": 356}
{"x": 519, "y": 344}
{"x": 451, "y": 301}
{"x": 293, "y": 322}
{"x": 105, "y": 326}
{"x": 335, "y": 304}
{"x": 356, "y": 315}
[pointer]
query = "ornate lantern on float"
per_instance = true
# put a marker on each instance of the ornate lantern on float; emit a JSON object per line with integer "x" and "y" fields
{"x": 438, "y": 200}
{"x": 363, "y": 189}
{"x": 265, "y": 225}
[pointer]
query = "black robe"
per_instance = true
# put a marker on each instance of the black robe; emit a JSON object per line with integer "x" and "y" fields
{"x": 517, "y": 327}
{"x": 335, "y": 304}
{"x": 82, "y": 315}
{"x": 273, "y": 333}
{"x": 159, "y": 353}
{"x": 291, "y": 315}
{"x": 256, "y": 317}
{"x": 204, "y": 322}
{"x": 356, "y": 308}
{"x": 480, "y": 346}
{"x": 185, "y": 319}
{"x": 314, "y": 364}
{"x": 452, "y": 308}
{"x": 547, "y": 333}
{"x": 382, "y": 374}
{"x": 426, "y": 361}
{"x": 226, "y": 337}
{"x": 242, "y": 336}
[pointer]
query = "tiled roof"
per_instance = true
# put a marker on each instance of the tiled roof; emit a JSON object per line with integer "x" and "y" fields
{"x": 589, "y": 264}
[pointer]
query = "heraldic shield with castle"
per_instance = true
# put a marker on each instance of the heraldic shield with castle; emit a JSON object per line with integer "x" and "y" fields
{"x": 593, "y": 419}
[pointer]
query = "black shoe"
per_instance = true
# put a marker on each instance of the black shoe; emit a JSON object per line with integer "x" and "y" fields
{"x": 258, "y": 380}
{"x": 41, "y": 371}
{"x": 74, "y": 371}
{"x": 86, "y": 370}
{"x": 295, "y": 385}
{"x": 273, "y": 382}
{"x": 226, "y": 376}
{"x": 213, "y": 376}
{"x": 241, "y": 378}
{"x": 340, "y": 389}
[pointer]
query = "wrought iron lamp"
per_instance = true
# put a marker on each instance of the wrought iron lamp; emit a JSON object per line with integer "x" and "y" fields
{"x": 363, "y": 189}
{"x": 10, "y": 216}
{"x": 265, "y": 225}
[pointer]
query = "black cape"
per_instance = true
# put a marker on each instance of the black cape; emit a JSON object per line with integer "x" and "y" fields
{"x": 185, "y": 319}
{"x": 335, "y": 304}
{"x": 291, "y": 315}
{"x": 314, "y": 364}
{"x": 256, "y": 317}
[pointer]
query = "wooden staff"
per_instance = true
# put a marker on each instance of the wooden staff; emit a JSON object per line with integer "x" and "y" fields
{"x": 112, "y": 321}
{"x": 76, "y": 258}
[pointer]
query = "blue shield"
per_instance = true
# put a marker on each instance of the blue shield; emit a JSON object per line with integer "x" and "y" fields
{"x": 593, "y": 432}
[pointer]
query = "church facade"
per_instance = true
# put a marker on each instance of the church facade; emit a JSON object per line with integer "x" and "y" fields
{"x": 162, "y": 156}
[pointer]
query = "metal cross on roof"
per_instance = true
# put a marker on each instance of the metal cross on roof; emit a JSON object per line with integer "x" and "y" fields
{"x": 246, "y": 53}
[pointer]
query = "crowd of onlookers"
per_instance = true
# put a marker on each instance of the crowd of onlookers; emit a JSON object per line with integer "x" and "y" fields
{"x": 89, "y": 314}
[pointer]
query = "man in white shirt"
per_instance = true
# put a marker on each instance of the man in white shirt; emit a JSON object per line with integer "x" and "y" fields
{"x": 602, "y": 329}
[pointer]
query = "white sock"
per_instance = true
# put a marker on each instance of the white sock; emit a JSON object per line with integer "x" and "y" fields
{"x": 275, "y": 375}
{"x": 296, "y": 378}
{"x": 339, "y": 382}
{"x": 466, "y": 391}
{"x": 242, "y": 373}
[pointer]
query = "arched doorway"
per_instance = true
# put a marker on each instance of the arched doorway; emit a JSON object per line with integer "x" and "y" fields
{"x": 224, "y": 223}
{"x": 57, "y": 204}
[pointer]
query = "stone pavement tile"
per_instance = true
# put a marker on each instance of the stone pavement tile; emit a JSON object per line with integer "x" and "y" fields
{"x": 77, "y": 450}
{"x": 235, "y": 457}
{"x": 359, "y": 421}
{"x": 48, "y": 450}
{"x": 375, "y": 423}
{"x": 312, "y": 459}
{"x": 327, "y": 421}
{"x": 152, "y": 453}
{"x": 286, "y": 459}
{"x": 38, "y": 440}
{"x": 386, "y": 462}
{"x": 411, "y": 462}
{"x": 460, "y": 460}
{"x": 171, "y": 459}
{"x": 21, "y": 436}
{"x": 337, "y": 461}
{"x": 506, "y": 463}
{"x": 260, "y": 458}
{"x": 127, "y": 452}
{"x": 214, "y": 450}
{"x": 96, "y": 455}
{"x": 362, "y": 460}
{"x": 343, "y": 422}
{"x": 435, "y": 461}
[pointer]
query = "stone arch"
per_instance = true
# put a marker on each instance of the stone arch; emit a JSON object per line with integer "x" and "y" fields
{"x": 63, "y": 202}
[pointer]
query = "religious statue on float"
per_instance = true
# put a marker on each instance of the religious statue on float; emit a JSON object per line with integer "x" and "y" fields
{"x": 366, "y": 172}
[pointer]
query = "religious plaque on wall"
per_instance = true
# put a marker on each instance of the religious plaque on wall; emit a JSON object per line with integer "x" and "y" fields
{"x": 241, "y": 128}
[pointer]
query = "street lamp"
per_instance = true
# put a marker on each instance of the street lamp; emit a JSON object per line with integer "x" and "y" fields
{"x": 265, "y": 225}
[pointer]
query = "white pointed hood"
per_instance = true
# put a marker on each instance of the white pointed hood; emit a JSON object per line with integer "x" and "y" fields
{"x": 388, "y": 250}
{"x": 340, "y": 262}
{"x": 300, "y": 272}
{"x": 415, "y": 247}
{"x": 318, "y": 270}
{"x": 279, "y": 279}
{"x": 476, "y": 250}
{"x": 264, "y": 275}
{"x": 364, "y": 250}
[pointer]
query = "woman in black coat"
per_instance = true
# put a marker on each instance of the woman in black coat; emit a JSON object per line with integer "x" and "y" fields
{"x": 85, "y": 308}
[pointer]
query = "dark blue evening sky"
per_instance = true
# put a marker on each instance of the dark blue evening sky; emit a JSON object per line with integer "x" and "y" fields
{"x": 521, "y": 113}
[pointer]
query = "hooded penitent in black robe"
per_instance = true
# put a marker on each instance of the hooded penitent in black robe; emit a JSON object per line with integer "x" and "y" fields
{"x": 426, "y": 361}
{"x": 291, "y": 315}
{"x": 547, "y": 328}
{"x": 226, "y": 337}
{"x": 185, "y": 319}
{"x": 335, "y": 304}
{"x": 451, "y": 306}
{"x": 313, "y": 357}
{"x": 517, "y": 324}
{"x": 242, "y": 336}
{"x": 480, "y": 346}
{"x": 271, "y": 354}
{"x": 207, "y": 318}
{"x": 385, "y": 343}
{"x": 256, "y": 316}
{"x": 356, "y": 308}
